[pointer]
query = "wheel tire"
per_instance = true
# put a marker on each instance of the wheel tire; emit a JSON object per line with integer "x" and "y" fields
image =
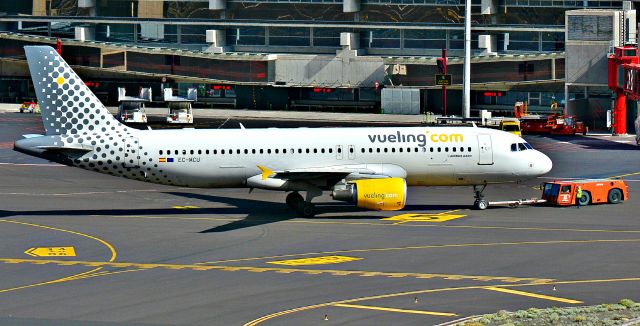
{"x": 306, "y": 209}
{"x": 482, "y": 204}
{"x": 615, "y": 196}
{"x": 585, "y": 199}
{"x": 21, "y": 111}
{"x": 294, "y": 199}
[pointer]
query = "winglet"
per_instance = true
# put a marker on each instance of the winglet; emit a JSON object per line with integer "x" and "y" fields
{"x": 266, "y": 172}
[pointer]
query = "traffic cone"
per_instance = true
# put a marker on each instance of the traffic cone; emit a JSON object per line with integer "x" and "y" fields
{"x": 415, "y": 300}
{"x": 554, "y": 287}
{"x": 326, "y": 317}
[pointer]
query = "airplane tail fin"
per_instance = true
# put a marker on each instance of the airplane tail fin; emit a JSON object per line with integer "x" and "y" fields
{"x": 68, "y": 106}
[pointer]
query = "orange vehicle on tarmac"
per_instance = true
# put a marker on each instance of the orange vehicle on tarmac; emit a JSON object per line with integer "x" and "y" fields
{"x": 598, "y": 191}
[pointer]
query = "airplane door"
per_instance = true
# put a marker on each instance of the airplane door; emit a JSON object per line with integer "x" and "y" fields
{"x": 352, "y": 152}
{"x": 339, "y": 154}
{"x": 131, "y": 155}
{"x": 485, "y": 151}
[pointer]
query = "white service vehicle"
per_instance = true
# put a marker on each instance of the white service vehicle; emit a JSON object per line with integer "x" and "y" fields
{"x": 132, "y": 109}
{"x": 180, "y": 110}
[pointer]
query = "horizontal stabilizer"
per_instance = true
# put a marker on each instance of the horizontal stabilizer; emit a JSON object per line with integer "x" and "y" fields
{"x": 72, "y": 148}
{"x": 31, "y": 136}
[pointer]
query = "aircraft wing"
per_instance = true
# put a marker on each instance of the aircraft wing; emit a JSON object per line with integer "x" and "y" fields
{"x": 336, "y": 173}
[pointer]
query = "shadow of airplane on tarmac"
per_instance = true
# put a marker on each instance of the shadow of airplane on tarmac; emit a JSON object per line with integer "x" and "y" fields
{"x": 258, "y": 212}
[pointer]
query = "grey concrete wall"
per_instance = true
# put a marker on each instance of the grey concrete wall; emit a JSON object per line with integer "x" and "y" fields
{"x": 329, "y": 71}
{"x": 586, "y": 63}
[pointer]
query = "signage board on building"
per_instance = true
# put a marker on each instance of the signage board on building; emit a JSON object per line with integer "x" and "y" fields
{"x": 443, "y": 80}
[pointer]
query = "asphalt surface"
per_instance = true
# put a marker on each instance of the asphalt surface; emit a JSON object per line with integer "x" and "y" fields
{"x": 151, "y": 254}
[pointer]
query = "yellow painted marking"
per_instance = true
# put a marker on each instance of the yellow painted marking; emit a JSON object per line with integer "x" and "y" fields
{"x": 437, "y": 218}
{"x": 405, "y": 311}
{"x": 185, "y": 207}
{"x": 623, "y": 175}
{"x": 329, "y": 272}
{"x": 51, "y": 251}
{"x": 457, "y": 245}
{"x": 533, "y": 295}
{"x": 266, "y": 172}
{"x": 68, "y": 278}
{"x": 60, "y": 81}
{"x": 399, "y": 294}
{"x": 324, "y": 260}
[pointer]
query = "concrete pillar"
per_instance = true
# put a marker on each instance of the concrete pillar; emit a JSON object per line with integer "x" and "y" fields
{"x": 488, "y": 7}
{"x": 85, "y": 33}
{"x": 350, "y": 41}
{"x": 39, "y": 8}
{"x": 489, "y": 43}
{"x": 217, "y": 4}
{"x": 349, "y": 5}
{"x": 88, "y": 4}
{"x": 217, "y": 40}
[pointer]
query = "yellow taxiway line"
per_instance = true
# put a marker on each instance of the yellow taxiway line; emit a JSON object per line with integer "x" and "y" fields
{"x": 405, "y": 311}
{"x": 532, "y": 295}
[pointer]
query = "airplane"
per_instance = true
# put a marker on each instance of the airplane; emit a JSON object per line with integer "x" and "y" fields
{"x": 369, "y": 167}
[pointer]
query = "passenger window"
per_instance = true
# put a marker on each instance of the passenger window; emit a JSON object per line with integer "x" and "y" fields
{"x": 176, "y": 152}
{"x": 370, "y": 150}
{"x": 400, "y": 149}
{"x": 469, "y": 149}
{"x": 446, "y": 149}
{"x": 393, "y": 149}
{"x": 261, "y": 151}
{"x": 386, "y": 149}
{"x": 362, "y": 150}
{"x": 253, "y": 151}
{"x": 350, "y": 149}
{"x": 315, "y": 150}
{"x": 439, "y": 149}
{"x": 206, "y": 152}
{"x": 431, "y": 149}
{"x": 521, "y": 147}
{"x": 322, "y": 150}
{"x": 215, "y": 151}
{"x": 331, "y": 150}
{"x": 160, "y": 152}
{"x": 199, "y": 151}
{"x": 566, "y": 189}
{"x": 284, "y": 151}
{"x": 276, "y": 151}
{"x": 246, "y": 151}
{"x": 339, "y": 149}
{"x": 299, "y": 150}
{"x": 408, "y": 149}
{"x": 191, "y": 151}
{"x": 514, "y": 147}
{"x": 462, "y": 149}
{"x": 237, "y": 151}
{"x": 454, "y": 149}
{"x": 378, "y": 150}
{"x": 416, "y": 149}
{"x": 222, "y": 151}
{"x": 269, "y": 151}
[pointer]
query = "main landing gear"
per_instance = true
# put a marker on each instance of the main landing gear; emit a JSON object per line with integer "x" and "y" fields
{"x": 304, "y": 208}
{"x": 480, "y": 203}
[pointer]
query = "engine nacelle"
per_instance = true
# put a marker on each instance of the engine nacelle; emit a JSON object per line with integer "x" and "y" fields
{"x": 375, "y": 194}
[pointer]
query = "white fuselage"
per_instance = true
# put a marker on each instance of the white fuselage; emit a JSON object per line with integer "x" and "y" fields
{"x": 427, "y": 156}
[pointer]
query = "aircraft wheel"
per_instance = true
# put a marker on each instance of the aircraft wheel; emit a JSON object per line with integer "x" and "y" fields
{"x": 294, "y": 199}
{"x": 481, "y": 204}
{"x": 615, "y": 196}
{"x": 306, "y": 209}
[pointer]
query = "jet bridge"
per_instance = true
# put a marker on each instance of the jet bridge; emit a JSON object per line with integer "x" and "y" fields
{"x": 180, "y": 110}
{"x": 132, "y": 108}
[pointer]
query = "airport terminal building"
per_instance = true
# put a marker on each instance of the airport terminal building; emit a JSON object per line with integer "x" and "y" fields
{"x": 303, "y": 54}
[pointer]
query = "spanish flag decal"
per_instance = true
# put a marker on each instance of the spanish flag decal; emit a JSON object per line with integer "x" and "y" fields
{"x": 166, "y": 159}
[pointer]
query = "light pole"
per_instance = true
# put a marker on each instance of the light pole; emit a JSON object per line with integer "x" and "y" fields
{"x": 466, "y": 86}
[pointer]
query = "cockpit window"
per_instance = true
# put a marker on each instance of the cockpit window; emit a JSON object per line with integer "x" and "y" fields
{"x": 528, "y": 145}
{"x": 522, "y": 147}
{"x": 514, "y": 147}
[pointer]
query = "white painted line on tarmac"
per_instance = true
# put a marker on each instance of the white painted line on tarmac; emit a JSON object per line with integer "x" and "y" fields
{"x": 33, "y": 164}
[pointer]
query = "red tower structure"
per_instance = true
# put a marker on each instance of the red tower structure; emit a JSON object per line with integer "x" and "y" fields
{"x": 624, "y": 80}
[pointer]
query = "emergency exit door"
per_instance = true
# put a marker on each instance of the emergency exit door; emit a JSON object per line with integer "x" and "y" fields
{"x": 485, "y": 151}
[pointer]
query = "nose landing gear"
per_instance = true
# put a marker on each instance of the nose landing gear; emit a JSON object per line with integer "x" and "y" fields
{"x": 480, "y": 203}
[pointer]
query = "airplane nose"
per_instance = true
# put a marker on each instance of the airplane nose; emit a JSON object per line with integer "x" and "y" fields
{"x": 544, "y": 164}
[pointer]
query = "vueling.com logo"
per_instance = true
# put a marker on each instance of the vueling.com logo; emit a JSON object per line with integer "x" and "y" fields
{"x": 421, "y": 139}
